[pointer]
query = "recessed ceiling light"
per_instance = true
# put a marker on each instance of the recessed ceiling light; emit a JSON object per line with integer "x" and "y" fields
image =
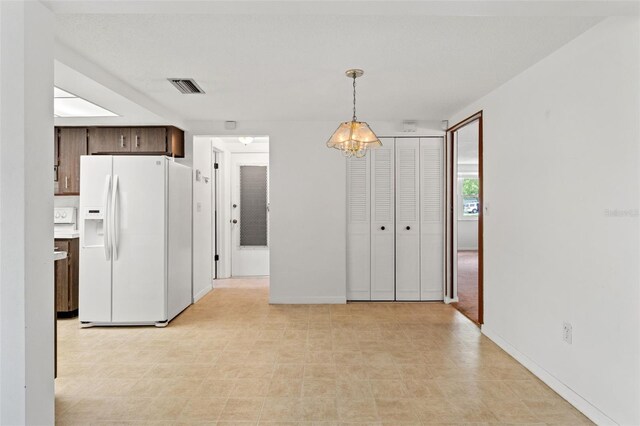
{"x": 246, "y": 140}
{"x": 66, "y": 104}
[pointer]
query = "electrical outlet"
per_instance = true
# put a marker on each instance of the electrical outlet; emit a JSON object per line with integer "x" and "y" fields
{"x": 567, "y": 332}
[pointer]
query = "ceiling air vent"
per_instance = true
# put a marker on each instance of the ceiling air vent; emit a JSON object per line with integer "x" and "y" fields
{"x": 186, "y": 85}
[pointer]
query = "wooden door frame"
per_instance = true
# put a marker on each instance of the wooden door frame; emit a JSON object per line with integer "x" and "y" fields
{"x": 450, "y": 137}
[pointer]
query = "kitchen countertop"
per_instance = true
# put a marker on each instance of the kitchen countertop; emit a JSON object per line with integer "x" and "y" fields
{"x": 66, "y": 234}
{"x": 59, "y": 255}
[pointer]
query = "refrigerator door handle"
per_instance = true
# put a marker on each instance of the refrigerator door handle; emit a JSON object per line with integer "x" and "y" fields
{"x": 106, "y": 226}
{"x": 114, "y": 217}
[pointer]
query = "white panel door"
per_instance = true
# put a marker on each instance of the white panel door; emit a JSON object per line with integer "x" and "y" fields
{"x": 383, "y": 222}
{"x": 139, "y": 239}
{"x": 431, "y": 217}
{"x": 250, "y": 214}
{"x": 95, "y": 250}
{"x": 407, "y": 219}
{"x": 358, "y": 229}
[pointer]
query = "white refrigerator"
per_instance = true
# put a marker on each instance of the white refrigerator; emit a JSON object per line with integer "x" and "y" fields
{"x": 135, "y": 240}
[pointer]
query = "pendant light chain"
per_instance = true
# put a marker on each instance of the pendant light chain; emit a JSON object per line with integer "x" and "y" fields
{"x": 354, "y": 98}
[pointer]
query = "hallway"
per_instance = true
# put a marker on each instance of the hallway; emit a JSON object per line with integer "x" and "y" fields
{"x": 234, "y": 359}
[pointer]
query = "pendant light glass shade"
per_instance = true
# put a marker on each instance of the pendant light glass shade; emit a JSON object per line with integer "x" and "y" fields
{"x": 353, "y": 138}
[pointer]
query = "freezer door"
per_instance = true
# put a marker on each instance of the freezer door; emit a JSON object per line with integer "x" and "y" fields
{"x": 139, "y": 239}
{"x": 95, "y": 254}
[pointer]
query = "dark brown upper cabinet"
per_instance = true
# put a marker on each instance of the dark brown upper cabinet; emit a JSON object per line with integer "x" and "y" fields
{"x": 71, "y": 143}
{"x": 103, "y": 140}
{"x": 175, "y": 142}
{"x": 149, "y": 139}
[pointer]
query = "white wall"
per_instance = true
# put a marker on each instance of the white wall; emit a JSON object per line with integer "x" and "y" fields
{"x": 308, "y": 205}
{"x": 467, "y": 234}
{"x": 561, "y": 149}
{"x": 26, "y": 203}
{"x": 66, "y": 201}
{"x": 202, "y": 219}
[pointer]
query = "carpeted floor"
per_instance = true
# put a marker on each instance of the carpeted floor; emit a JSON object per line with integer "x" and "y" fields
{"x": 468, "y": 284}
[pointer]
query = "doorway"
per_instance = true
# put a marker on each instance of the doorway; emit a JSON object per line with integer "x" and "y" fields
{"x": 465, "y": 218}
{"x": 224, "y": 173}
{"x": 249, "y": 214}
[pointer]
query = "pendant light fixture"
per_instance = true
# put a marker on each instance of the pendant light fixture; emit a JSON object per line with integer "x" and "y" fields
{"x": 354, "y": 137}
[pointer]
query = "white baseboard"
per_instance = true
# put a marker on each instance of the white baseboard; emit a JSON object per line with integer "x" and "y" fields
{"x": 202, "y": 293}
{"x": 584, "y": 406}
{"x": 432, "y": 296}
{"x": 312, "y": 300}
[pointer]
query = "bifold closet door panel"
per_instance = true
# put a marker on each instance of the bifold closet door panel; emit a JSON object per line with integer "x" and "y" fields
{"x": 432, "y": 218}
{"x": 407, "y": 219}
{"x": 358, "y": 229}
{"x": 382, "y": 222}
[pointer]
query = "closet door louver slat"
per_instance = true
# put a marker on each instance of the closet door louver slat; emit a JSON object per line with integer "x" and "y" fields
{"x": 432, "y": 216}
{"x": 359, "y": 223}
{"x": 383, "y": 222}
{"x": 407, "y": 219}
{"x": 395, "y": 216}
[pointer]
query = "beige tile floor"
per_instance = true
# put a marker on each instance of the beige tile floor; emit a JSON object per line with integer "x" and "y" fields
{"x": 234, "y": 359}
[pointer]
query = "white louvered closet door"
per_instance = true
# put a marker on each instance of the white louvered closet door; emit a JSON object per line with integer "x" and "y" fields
{"x": 358, "y": 229}
{"x": 407, "y": 219}
{"x": 431, "y": 218}
{"x": 382, "y": 222}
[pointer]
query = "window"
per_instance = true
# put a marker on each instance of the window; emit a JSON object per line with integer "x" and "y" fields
{"x": 470, "y": 191}
{"x": 253, "y": 206}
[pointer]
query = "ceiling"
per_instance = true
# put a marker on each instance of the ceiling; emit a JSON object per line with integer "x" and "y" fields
{"x": 291, "y": 66}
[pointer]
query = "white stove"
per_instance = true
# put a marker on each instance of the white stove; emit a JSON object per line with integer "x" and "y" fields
{"x": 64, "y": 222}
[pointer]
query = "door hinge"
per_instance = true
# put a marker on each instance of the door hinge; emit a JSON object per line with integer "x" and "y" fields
{"x": 215, "y": 165}
{"x": 216, "y": 257}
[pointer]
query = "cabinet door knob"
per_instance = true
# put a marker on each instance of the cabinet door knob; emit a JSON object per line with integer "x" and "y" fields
{"x": 383, "y": 228}
{"x": 235, "y": 221}
{"x": 408, "y": 228}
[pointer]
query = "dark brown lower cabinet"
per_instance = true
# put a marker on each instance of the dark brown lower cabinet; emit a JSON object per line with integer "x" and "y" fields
{"x": 67, "y": 275}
